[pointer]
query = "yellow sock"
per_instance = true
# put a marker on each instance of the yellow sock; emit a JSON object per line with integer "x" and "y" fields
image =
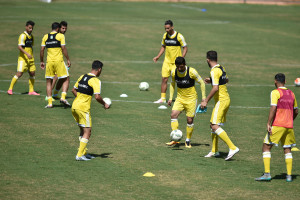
{"x": 82, "y": 146}
{"x": 223, "y": 135}
{"x": 163, "y": 96}
{"x": 189, "y": 131}
{"x": 31, "y": 83}
{"x": 289, "y": 163}
{"x": 49, "y": 100}
{"x": 215, "y": 140}
{"x": 267, "y": 161}
{"x": 174, "y": 124}
{"x": 63, "y": 95}
{"x": 13, "y": 82}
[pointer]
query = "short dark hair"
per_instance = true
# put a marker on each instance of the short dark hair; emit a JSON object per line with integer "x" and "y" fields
{"x": 280, "y": 77}
{"x": 97, "y": 64}
{"x": 169, "y": 22}
{"x": 55, "y": 25}
{"x": 64, "y": 23}
{"x": 212, "y": 55}
{"x": 30, "y": 23}
{"x": 180, "y": 60}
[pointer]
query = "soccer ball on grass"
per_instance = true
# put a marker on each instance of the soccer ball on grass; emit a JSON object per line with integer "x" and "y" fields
{"x": 176, "y": 135}
{"x": 297, "y": 82}
{"x": 144, "y": 86}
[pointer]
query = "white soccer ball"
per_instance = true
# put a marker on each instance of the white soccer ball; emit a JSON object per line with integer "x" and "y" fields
{"x": 176, "y": 135}
{"x": 144, "y": 86}
{"x": 297, "y": 82}
{"x": 107, "y": 101}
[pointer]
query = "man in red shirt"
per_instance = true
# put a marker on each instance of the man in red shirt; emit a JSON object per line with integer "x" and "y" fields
{"x": 283, "y": 111}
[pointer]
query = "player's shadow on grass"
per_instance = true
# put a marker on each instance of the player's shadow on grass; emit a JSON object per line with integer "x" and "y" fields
{"x": 103, "y": 155}
{"x": 177, "y": 146}
{"x": 283, "y": 176}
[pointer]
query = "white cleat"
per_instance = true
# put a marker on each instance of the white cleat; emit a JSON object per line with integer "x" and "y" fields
{"x": 160, "y": 101}
{"x": 89, "y": 156}
{"x": 65, "y": 102}
{"x": 212, "y": 154}
{"x": 82, "y": 158}
{"x": 232, "y": 153}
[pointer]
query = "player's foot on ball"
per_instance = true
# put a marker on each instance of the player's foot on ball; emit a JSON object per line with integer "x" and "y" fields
{"x": 188, "y": 144}
{"x": 172, "y": 143}
{"x": 65, "y": 102}
{"x": 9, "y": 92}
{"x": 212, "y": 154}
{"x": 232, "y": 153}
{"x": 89, "y": 156}
{"x": 49, "y": 106}
{"x": 160, "y": 101}
{"x": 33, "y": 93}
{"x": 264, "y": 177}
{"x": 289, "y": 178}
{"x": 82, "y": 158}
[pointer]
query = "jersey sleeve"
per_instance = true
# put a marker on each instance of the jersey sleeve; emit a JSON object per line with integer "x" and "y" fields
{"x": 172, "y": 85}
{"x": 194, "y": 75}
{"x": 163, "y": 40}
{"x": 76, "y": 84}
{"x": 95, "y": 83}
{"x": 21, "y": 41}
{"x": 275, "y": 95}
{"x": 61, "y": 38}
{"x": 215, "y": 75}
{"x": 181, "y": 40}
{"x": 44, "y": 41}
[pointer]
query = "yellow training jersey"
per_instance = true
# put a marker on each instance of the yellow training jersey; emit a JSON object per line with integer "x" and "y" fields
{"x": 26, "y": 41}
{"x": 219, "y": 77}
{"x": 173, "y": 44}
{"x": 53, "y": 42}
{"x": 86, "y": 86}
{"x": 186, "y": 84}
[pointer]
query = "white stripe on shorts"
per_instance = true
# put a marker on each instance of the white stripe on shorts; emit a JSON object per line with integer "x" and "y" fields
{"x": 216, "y": 113}
{"x": 20, "y": 67}
{"x": 87, "y": 120}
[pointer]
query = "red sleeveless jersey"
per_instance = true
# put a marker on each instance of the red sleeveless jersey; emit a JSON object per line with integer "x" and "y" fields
{"x": 285, "y": 109}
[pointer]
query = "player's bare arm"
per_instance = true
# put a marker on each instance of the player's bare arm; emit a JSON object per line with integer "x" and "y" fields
{"x": 184, "y": 52}
{"x": 295, "y": 113}
{"x": 65, "y": 52}
{"x": 271, "y": 118}
{"x": 25, "y": 52}
{"x": 74, "y": 91}
{"x": 213, "y": 91}
{"x": 162, "y": 50}
{"x": 42, "y": 57}
{"x": 100, "y": 100}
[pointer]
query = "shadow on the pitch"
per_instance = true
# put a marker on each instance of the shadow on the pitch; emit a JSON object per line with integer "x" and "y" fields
{"x": 283, "y": 176}
{"x": 103, "y": 155}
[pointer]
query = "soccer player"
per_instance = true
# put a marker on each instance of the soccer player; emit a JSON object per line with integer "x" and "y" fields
{"x": 282, "y": 114}
{"x": 218, "y": 79}
{"x": 63, "y": 30}
{"x": 186, "y": 100}
{"x": 56, "y": 48}
{"x": 25, "y": 60}
{"x": 171, "y": 44}
{"x": 83, "y": 90}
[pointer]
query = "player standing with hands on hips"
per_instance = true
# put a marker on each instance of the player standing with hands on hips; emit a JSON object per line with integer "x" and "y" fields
{"x": 218, "y": 79}
{"x": 171, "y": 44}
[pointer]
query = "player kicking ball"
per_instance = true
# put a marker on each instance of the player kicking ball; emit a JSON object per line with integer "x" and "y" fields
{"x": 186, "y": 100}
{"x": 84, "y": 88}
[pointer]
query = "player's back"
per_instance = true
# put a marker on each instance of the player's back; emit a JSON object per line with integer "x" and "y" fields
{"x": 53, "y": 42}
{"x": 219, "y": 77}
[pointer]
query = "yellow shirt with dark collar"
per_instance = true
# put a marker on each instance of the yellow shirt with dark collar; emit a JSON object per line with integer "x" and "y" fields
{"x": 54, "y": 54}
{"x": 26, "y": 41}
{"x": 187, "y": 94}
{"x": 215, "y": 74}
{"x": 83, "y": 101}
{"x": 172, "y": 52}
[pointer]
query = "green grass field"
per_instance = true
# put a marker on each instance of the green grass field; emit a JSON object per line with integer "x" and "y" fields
{"x": 38, "y": 146}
